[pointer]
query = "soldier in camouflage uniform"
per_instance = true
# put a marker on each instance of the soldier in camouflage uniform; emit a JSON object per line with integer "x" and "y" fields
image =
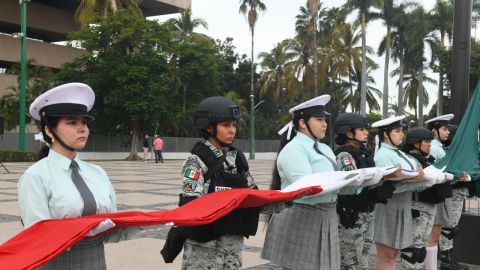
{"x": 210, "y": 168}
{"x": 355, "y": 208}
{"x": 418, "y": 145}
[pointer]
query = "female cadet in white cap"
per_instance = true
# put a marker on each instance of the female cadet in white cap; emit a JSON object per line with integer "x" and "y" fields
{"x": 305, "y": 235}
{"x": 449, "y": 212}
{"x": 59, "y": 184}
{"x": 393, "y": 220}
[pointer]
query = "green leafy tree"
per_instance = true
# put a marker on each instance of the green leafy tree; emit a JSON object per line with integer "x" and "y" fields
{"x": 40, "y": 79}
{"x": 128, "y": 70}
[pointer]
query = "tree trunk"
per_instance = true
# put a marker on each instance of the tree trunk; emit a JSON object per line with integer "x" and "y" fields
{"x": 314, "y": 49}
{"x": 440, "y": 80}
{"x": 385, "y": 76}
{"x": 363, "y": 85}
{"x": 400, "y": 88}
{"x": 184, "y": 102}
{"x": 420, "y": 97}
{"x": 440, "y": 94}
{"x": 135, "y": 141}
{"x": 351, "y": 91}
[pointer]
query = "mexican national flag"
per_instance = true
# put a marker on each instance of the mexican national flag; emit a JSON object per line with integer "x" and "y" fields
{"x": 192, "y": 174}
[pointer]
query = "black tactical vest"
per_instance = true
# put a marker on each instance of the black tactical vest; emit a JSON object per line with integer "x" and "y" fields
{"x": 241, "y": 221}
{"x": 361, "y": 202}
{"x": 363, "y": 158}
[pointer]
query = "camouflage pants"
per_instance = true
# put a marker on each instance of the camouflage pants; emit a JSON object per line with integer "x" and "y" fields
{"x": 421, "y": 228}
{"x": 456, "y": 206}
{"x": 223, "y": 253}
{"x": 357, "y": 247}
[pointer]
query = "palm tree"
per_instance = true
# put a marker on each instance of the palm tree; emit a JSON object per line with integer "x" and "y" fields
{"x": 363, "y": 7}
{"x": 307, "y": 33}
{"x": 389, "y": 13}
{"x": 372, "y": 92}
{"x": 419, "y": 33}
{"x": 344, "y": 55}
{"x": 306, "y": 27}
{"x": 400, "y": 46}
{"x": 184, "y": 26}
{"x": 441, "y": 17}
{"x": 88, "y": 10}
{"x": 249, "y": 8}
{"x": 414, "y": 90}
{"x": 277, "y": 74}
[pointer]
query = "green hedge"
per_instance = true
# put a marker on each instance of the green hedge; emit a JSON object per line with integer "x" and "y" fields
{"x": 16, "y": 156}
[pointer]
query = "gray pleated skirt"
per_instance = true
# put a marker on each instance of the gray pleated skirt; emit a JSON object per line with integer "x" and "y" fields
{"x": 304, "y": 237}
{"x": 393, "y": 221}
{"x": 442, "y": 215}
{"x": 87, "y": 254}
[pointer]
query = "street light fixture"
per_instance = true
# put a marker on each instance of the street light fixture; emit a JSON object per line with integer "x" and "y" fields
{"x": 23, "y": 75}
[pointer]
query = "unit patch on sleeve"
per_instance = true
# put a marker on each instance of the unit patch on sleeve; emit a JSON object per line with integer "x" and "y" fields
{"x": 192, "y": 174}
{"x": 347, "y": 162}
{"x": 189, "y": 186}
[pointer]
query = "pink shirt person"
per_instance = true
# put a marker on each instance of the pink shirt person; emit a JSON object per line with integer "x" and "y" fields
{"x": 158, "y": 144}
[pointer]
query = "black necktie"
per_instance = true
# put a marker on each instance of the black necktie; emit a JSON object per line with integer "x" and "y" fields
{"x": 90, "y": 206}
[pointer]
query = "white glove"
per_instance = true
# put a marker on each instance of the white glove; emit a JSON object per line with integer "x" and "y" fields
{"x": 449, "y": 177}
{"x": 103, "y": 226}
{"x": 374, "y": 179}
{"x": 360, "y": 178}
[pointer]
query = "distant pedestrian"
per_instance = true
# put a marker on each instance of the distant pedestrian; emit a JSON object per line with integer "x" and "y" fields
{"x": 146, "y": 147}
{"x": 158, "y": 147}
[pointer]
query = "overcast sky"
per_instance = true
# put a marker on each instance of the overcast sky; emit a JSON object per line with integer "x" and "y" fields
{"x": 277, "y": 24}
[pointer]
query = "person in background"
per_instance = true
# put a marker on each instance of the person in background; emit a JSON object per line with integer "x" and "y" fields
{"x": 60, "y": 185}
{"x": 158, "y": 148}
{"x": 146, "y": 147}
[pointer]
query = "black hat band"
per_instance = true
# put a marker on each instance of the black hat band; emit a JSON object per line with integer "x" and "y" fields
{"x": 65, "y": 109}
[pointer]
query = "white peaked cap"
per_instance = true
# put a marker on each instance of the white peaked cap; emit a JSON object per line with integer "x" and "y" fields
{"x": 313, "y": 103}
{"x": 388, "y": 121}
{"x": 69, "y": 94}
{"x": 445, "y": 117}
{"x": 317, "y": 101}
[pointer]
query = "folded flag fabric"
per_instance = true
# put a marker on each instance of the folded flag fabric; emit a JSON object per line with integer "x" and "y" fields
{"x": 46, "y": 239}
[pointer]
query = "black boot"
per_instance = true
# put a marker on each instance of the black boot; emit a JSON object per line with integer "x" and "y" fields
{"x": 448, "y": 262}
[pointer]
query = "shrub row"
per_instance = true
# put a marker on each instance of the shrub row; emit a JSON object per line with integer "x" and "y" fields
{"x": 16, "y": 156}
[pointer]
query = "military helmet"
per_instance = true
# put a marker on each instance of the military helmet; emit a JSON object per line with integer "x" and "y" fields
{"x": 213, "y": 110}
{"x": 418, "y": 134}
{"x": 349, "y": 121}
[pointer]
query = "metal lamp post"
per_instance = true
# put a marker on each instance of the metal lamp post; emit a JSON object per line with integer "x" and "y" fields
{"x": 23, "y": 76}
{"x": 252, "y": 125}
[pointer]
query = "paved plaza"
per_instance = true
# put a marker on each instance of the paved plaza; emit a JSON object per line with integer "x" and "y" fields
{"x": 139, "y": 186}
{"x": 145, "y": 187}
